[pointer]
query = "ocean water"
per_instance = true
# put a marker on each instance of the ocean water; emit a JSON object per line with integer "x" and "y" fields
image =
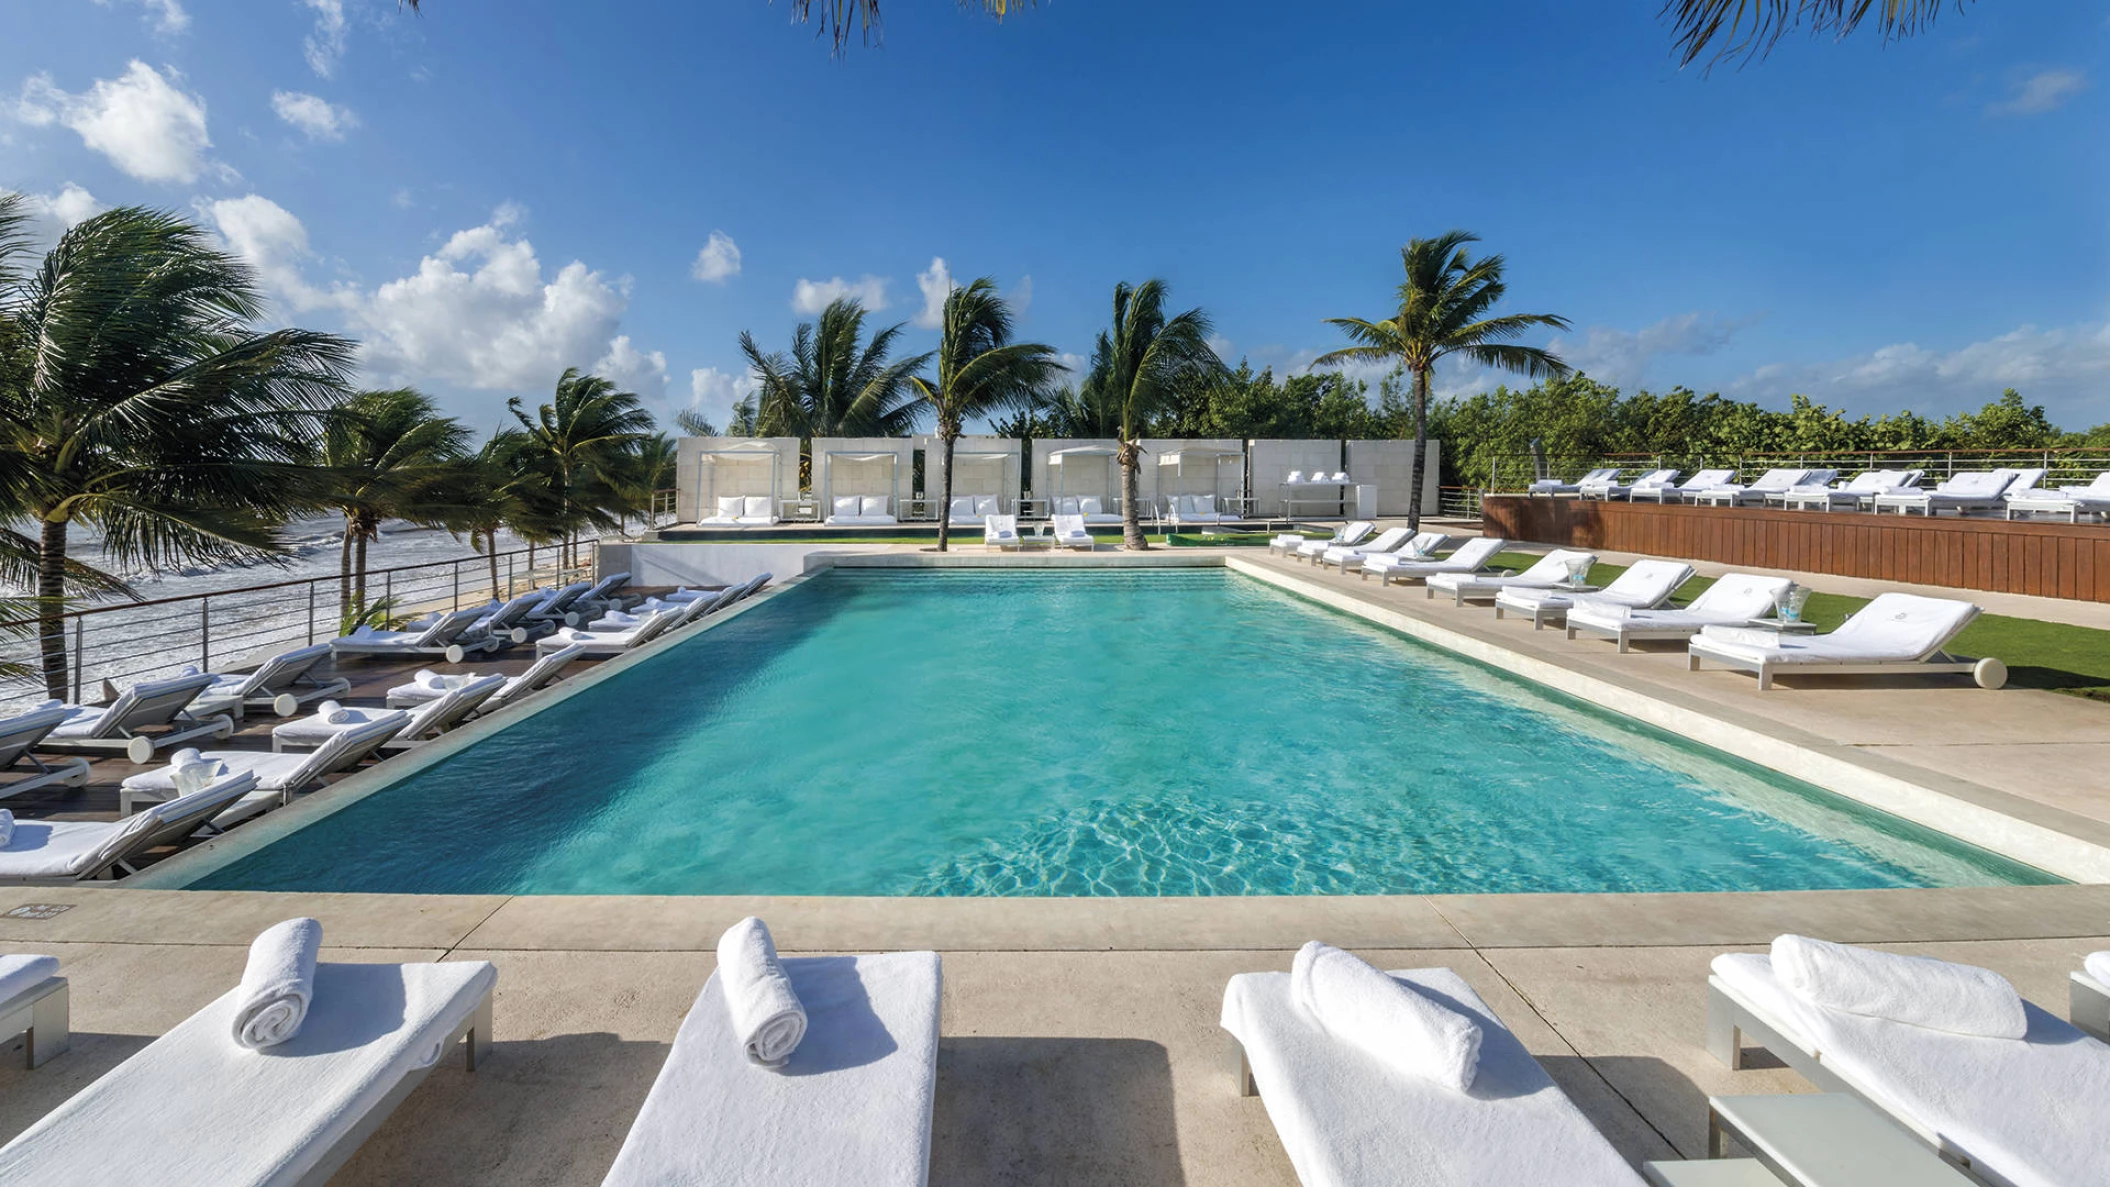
{"x": 1107, "y": 733}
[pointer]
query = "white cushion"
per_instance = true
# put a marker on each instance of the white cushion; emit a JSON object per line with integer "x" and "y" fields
{"x": 872, "y": 505}
{"x": 962, "y": 507}
{"x": 1066, "y": 506}
{"x": 1205, "y": 504}
{"x": 757, "y": 506}
{"x": 1090, "y": 505}
{"x": 846, "y": 504}
{"x": 729, "y": 505}
{"x": 985, "y": 505}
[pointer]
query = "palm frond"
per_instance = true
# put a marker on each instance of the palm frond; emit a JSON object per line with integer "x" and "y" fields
{"x": 1751, "y": 28}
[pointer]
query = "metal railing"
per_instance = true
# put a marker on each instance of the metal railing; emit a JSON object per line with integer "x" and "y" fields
{"x": 129, "y": 641}
{"x": 1515, "y": 472}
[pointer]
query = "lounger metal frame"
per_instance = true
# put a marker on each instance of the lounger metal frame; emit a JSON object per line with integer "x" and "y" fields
{"x": 1986, "y": 673}
{"x": 42, "y": 1015}
{"x": 2088, "y": 1005}
{"x": 73, "y": 772}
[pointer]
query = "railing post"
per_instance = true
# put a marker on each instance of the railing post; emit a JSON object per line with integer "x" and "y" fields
{"x": 80, "y": 655}
{"x": 510, "y": 558}
{"x": 388, "y": 588}
{"x": 457, "y": 585}
{"x": 205, "y": 634}
{"x": 311, "y": 612}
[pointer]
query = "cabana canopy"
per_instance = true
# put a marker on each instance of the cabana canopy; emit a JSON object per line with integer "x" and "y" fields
{"x": 735, "y": 472}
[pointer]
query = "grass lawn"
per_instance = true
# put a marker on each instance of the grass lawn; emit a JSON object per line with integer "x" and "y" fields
{"x": 2049, "y": 655}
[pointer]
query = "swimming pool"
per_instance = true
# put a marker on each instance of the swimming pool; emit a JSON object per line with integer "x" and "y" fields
{"x": 1100, "y": 732}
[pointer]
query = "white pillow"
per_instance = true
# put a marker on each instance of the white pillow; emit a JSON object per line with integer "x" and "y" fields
{"x": 873, "y": 505}
{"x": 1205, "y": 504}
{"x": 1089, "y": 505}
{"x": 985, "y": 505}
{"x": 962, "y": 507}
{"x": 1066, "y": 506}
{"x": 846, "y": 504}
{"x": 758, "y": 506}
{"x": 729, "y": 505}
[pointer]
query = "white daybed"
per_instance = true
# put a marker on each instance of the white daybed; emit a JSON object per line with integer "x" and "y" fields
{"x": 1091, "y": 508}
{"x": 1733, "y": 600}
{"x": 195, "y": 1109}
{"x": 1471, "y": 557}
{"x": 1894, "y": 634}
{"x": 1645, "y": 585}
{"x": 742, "y": 511}
{"x": 46, "y": 852}
{"x": 2024, "y": 1112}
{"x": 853, "y": 1105}
{"x": 1348, "y": 1120}
{"x": 1186, "y": 510}
{"x": 970, "y": 510}
{"x": 1548, "y": 571}
{"x": 862, "y": 511}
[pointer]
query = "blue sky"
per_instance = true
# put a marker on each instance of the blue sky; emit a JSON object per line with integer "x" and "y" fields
{"x": 493, "y": 191}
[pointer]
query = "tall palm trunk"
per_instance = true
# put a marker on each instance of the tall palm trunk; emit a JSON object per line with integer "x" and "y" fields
{"x": 1421, "y": 446}
{"x": 359, "y": 566}
{"x": 949, "y": 436}
{"x": 344, "y": 572}
{"x": 1131, "y": 459}
{"x": 491, "y": 556}
{"x": 51, "y": 606}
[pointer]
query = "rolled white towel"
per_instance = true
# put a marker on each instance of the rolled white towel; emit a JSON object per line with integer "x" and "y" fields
{"x": 333, "y": 713}
{"x": 23, "y": 971}
{"x": 1915, "y": 990}
{"x": 191, "y": 771}
{"x": 2097, "y": 965}
{"x": 278, "y": 984}
{"x": 7, "y": 827}
{"x": 1359, "y": 1004}
{"x": 766, "y": 1012}
{"x": 429, "y": 679}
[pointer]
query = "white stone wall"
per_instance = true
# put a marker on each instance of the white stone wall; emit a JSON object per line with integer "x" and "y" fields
{"x": 696, "y": 484}
{"x": 1390, "y": 464}
{"x": 1270, "y": 461}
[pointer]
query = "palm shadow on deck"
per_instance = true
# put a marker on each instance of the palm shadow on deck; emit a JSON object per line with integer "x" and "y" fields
{"x": 1024, "y": 1112}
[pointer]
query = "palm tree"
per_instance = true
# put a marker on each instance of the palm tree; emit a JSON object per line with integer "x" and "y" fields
{"x": 391, "y": 455}
{"x": 980, "y": 371}
{"x": 1443, "y": 307}
{"x": 1744, "y": 27}
{"x": 693, "y": 423}
{"x": 1137, "y": 364}
{"x": 837, "y": 17}
{"x": 580, "y": 444}
{"x": 490, "y": 499}
{"x": 154, "y": 414}
{"x": 830, "y": 385}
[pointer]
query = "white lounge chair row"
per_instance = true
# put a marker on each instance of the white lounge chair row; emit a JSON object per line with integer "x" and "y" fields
{"x": 2011, "y": 491}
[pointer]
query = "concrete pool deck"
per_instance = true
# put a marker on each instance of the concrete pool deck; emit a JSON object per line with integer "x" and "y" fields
{"x": 1081, "y": 1043}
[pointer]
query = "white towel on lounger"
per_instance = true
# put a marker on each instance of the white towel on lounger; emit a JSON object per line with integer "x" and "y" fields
{"x": 333, "y": 713}
{"x": 1741, "y": 636}
{"x": 278, "y": 984}
{"x": 767, "y": 1016}
{"x": 7, "y": 827}
{"x": 2097, "y": 965}
{"x": 1915, "y": 990}
{"x": 22, "y": 972}
{"x": 1360, "y": 1005}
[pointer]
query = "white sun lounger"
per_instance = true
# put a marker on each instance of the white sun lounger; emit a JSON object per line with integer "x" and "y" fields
{"x": 1422, "y": 545}
{"x": 852, "y": 1107}
{"x": 545, "y": 669}
{"x": 1612, "y": 488}
{"x": 1860, "y": 492}
{"x": 1896, "y": 633}
{"x": 1644, "y": 585}
{"x": 34, "y": 1004}
{"x": 150, "y": 716}
{"x": 1070, "y": 532}
{"x": 281, "y": 684}
{"x": 1733, "y": 600}
{"x": 557, "y": 603}
{"x": 1554, "y": 486}
{"x": 602, "y": 595}
{"x": 2022, "y": 1112}
{"x": 1348, "y": 536}
{"x": 511, "y": 622}
{"x": 278, "y": 776}
{"x": 1388, "y": 540}
{"x": 195, "y": 1109}
{"x": 427, "y": 721}
{"x": 443, "y": 636}
{"x": 1471, "y": 557}
{"x": 1346, "y": 1119}
{"x": 1000, "y": 531}
{"x": 612, "y": 642}
{"x": 45, "y": 852}
{"x": 1683, "y": 492}
{"x": 1545, "y": 573}
{"x": 1772, "y": 482}
{"x": 18, "y": 735}
{"x": 2070, "y": 501}
{"x": 2088, "y": 1004}
{"x": 1980, "y": 490}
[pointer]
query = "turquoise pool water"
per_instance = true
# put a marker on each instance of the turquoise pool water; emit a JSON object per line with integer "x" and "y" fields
{"x": 878, "y": 732}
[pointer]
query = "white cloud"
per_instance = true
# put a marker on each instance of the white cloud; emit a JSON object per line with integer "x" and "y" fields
{"x": 633, "y": 370}
{"x": 168, "y": 15}
{"x": 719, "y": 261}
{"x": 809, "y": 297}
{"x": 55, "y": 214}
{"x": 324, "y": 47}
{"x": 714, "y": 392}
{"x": 480, "y": 313}
{"x": 402, "y": 199}
{"x": 275, "y": 243}
{"x": 318, "y": 117}
{"x": 2040, "y": 92}
{"x": 936, "y": 283}
{"x": 1076, "y": 364}
{"x": 2063, "y": 369}
{"x": 1221, "y": 345}
{"x": 146, "y": 126}
{"x": 1020, "y": 298}
{"x": 1622, "y": 357}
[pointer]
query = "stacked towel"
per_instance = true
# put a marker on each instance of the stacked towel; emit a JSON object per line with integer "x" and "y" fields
{"x": 7, "y": 827}
{"x": 1362, "y": 1006}
{"x": 1915, "y": 990}
{"x": 2097, "y": 965}
{"x": 767, "y": 1017}
{"x": 333, "y": 713}
{"x": 192, "y": 771}
{"x": 278, "y": 984}
{"x": 23, "y": 972}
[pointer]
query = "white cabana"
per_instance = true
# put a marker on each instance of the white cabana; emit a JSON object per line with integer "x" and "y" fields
{"x": 739, "y": 484}
{"x": 1085, "y": 480}
{"x": 986, "y": 477}
{"x": 859, "y": 487}
{"x": 1201, "y": 484}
